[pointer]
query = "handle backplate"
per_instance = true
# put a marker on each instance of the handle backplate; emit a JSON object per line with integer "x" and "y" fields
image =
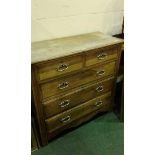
{"x": 99, "y": 88}
{"x": 102, "y": 56}
{"x": 65, "y": 119}
{"x": 63, "y": 85}
{"x": 62, "y": 67}
{"x": 64, "y": 103}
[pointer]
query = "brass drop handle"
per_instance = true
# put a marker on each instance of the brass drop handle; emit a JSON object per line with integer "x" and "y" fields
{"x": 64, "y": 103}
{"x": 100, "y": 73}
{"x": 98, "y": 103}
{"x": 65, "y": 119}
{"x": 102, "y": 56}
{"x": 62, "y": 67}
{"x": 99, "y": 88}
{"x": 63, "y": 85}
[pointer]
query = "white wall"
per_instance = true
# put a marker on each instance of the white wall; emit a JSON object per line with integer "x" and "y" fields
{"x": 59, "y": 18}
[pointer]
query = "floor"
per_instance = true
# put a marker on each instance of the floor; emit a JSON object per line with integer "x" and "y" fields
{"x": 103, "y": 135}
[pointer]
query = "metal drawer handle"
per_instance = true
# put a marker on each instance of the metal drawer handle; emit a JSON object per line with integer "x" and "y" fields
{"x": 63, "y": 85}
{"x": 99, "y": 88}
{"x": 65, "y": 119}
{"x": 62, "y": 67}
{"x": 98, "y": 103}
{"x": 102, "y": 56}
{"x": 64, "y": 103}
{"x": 100, "y": 73}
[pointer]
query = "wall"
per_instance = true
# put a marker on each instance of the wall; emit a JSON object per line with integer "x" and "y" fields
{"x": 59, "y": 18}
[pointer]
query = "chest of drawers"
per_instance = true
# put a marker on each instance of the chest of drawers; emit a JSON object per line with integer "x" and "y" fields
{"x": 73, "y": 79}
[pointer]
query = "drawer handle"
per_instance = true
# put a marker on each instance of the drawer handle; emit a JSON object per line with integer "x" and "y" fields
{"x": 98, "y": 103}
{"x": 65, "y": 119}
{"x": 102, "y": 56}
{"x": 99, "y": 88}
{"x": 100, "y": 73}
{"x": 63, "y": 85}
{"x": 64, "y": 103}
{"x": 62, "y": 67}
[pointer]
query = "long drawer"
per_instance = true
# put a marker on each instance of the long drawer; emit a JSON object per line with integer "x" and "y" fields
{"x": 62, "y": 103}
{"x": 62, "y": 84}
{"x": 60, "y": 120}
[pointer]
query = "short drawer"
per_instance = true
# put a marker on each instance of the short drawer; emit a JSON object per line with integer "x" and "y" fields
{"x": 60, "y": 120}
{"x": 76, "y": 97}
{"x": 59, "y": 67}
{"x": 62, "y": 84}
{"x": 100, "y": 55}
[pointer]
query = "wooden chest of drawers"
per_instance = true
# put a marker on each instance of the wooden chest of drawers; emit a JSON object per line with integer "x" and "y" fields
{"x": 73, "y": 79}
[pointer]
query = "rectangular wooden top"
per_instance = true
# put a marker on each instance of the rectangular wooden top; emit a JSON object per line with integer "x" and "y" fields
{"x": 56, "y": 48}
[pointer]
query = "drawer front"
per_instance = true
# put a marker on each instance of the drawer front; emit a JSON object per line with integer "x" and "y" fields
{"x": 72, "y": 81}
{"x": 100, "y": 55}
{"x": 67, "y": 101}
{"x": 58, "y": 121}
{"x": 59, "y": 67}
